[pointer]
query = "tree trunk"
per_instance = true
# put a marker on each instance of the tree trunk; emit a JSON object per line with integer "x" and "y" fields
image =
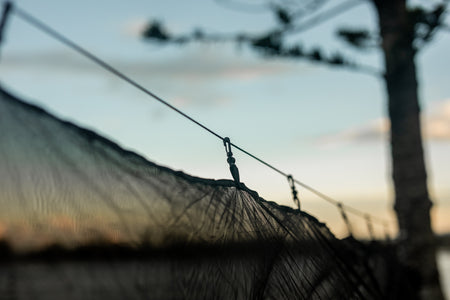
{"x": 417, "y": 248}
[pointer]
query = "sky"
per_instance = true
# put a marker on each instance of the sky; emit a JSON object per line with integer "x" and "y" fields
{"x": 326, "y": 126}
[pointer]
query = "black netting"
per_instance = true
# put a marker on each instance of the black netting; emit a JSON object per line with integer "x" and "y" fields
{"x": 81, "y": 218}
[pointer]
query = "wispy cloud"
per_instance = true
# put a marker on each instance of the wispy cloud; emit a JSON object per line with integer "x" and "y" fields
{"x": 194, "y": 77}
{"x": 372, "y": 131}
{"x": 134, "y": 27}
{"x": 192, "y": 65}
{"x": 435, "y": 123}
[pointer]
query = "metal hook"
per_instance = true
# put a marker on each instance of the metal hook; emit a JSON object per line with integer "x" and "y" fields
{"x": 227, "y": 144}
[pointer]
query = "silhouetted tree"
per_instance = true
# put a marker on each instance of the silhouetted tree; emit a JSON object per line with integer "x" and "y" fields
{"x": 403, "y": 31}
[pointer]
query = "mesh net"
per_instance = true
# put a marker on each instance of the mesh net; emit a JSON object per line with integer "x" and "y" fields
{"x": 82, "y": 218}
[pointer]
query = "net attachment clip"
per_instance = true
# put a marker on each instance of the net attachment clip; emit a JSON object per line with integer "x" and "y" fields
{"x": 345, "y": 218}
{"x": 294, "y": 190}
{"x": 231, "y": 160}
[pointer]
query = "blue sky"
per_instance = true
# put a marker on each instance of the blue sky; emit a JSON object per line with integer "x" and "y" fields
{"x": 325, "y": 126}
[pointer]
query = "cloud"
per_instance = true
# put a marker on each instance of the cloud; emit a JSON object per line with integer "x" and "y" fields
{"x": 435, "y": 123}
{"x": 205, "y": 64}
{"x": 45, "y": 61}
{"x": 135, "y": 27}
{"x": 373, "y": 131}
{"x": 193, "y": 77}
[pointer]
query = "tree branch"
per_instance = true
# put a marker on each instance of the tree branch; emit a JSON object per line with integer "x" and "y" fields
{"x": 336, "y": 60}
{"x": 427, "y": 24}
{"x": 326, "y": 16}
{"x": 271, "y": 44}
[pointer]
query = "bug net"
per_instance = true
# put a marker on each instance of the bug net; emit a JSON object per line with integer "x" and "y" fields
{"x": 82, "y": 218}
